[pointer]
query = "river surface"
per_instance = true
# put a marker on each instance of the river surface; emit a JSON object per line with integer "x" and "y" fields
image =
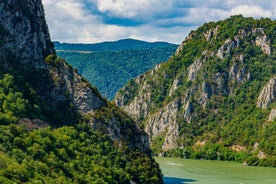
{"x": 184, "y": 171}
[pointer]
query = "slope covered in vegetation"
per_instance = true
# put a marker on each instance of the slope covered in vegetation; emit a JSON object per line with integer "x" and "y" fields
{"x": 110, "y": 65}
{"x": 215, "y": 98}
{"x": 68, "y": 155}
{"x": 55, "y": 127}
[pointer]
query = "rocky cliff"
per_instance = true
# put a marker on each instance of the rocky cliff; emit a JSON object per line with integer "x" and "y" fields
{"x": 27, "y": 52}
{"x": 212, "y": 90}
{"x": 24, "y": 31}
{"x": 38, "y": 89}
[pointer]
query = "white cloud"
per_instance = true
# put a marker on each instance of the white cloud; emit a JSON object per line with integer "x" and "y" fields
{"x": 90, "y": 21}
{"x": 131, "y": 9}
{"x": 251, "y": 11}
{"x": 201, "y": 15}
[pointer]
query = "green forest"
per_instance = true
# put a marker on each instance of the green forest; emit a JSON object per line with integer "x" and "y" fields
{"x": 68, "y": 155}
{"x": 110, "y": 65}
{"x": 61, "y": 153}
{"x": 230, "y": 116}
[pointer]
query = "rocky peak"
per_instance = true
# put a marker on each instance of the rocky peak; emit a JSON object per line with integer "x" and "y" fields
{"x": 25, "y": 38}
{"x": 25, "y": 31}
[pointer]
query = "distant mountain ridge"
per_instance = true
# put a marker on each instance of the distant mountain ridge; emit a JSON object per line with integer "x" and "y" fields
{"x": 124, "y": 44}
{"x": 110, "y": 65}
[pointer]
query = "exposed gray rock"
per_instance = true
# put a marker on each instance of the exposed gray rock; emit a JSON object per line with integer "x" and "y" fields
{"x": 165, "y": 121}
{"x": 258, "y": 30}
{"x": 272, "y": 115}
{"x": 137, "y": 139}
{"x": 268, "y": 94}
{"x": 263, "y": 42}
{"x": 226, "y": 48}
{"x": 205, "y": 94}
{"x": 201, "y": 88}
{"x": 24, "y": 36}
{"x": 82, "y": 95}
{"x": 33, "y": 123}
{"x": 212, "y": 33}
{"x": 26, "y": 32}
{"x": 188, "y": 111}
{"x": 239, "y": 74}
{"x": 170, "y": 141}
{"x": 176, "y": 82}
{"x": 193, "y": 69}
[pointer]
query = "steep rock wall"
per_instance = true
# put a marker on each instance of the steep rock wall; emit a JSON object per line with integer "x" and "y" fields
{"x": 26, "y": 40}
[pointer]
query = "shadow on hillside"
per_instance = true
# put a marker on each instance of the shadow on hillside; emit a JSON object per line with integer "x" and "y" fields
{"x": 169, "y": 180}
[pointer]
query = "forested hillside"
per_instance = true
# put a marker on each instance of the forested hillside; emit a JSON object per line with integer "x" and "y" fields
{"x": 55, "y": 127}
{"x": 110, "y": 65}
{"x": 215, "y": 98}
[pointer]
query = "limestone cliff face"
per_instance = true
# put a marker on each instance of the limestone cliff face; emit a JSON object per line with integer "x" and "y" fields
{"x": 268, "y": 94}
{"x": 165, "y": 121}
{"x": 24, "y": 37}
{"x": 200, "y": 82}
{"x": 24, "y": 31}
{"x": 84, "y": 98}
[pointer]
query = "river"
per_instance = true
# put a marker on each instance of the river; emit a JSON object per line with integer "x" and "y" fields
{"x": 184, "y": 171}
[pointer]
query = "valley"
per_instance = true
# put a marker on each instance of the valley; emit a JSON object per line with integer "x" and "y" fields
{"x": 207, "y": 107}
{"x": 110, "y": 65}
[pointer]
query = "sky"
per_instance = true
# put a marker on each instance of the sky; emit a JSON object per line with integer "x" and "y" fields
{"x": 94, "y": 21}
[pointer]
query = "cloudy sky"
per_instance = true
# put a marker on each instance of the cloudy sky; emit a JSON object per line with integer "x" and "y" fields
{"x": 91, "y": 21}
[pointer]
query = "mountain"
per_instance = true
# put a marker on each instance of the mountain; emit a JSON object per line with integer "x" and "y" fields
{"x": 55, "y": 127}
{"x": 124, "y": 44}
{"x": 215, "y": 98}
{"x": 110, "y": 65}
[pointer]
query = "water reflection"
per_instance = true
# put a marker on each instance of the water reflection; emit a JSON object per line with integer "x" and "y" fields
{"x": 169, "y": 180}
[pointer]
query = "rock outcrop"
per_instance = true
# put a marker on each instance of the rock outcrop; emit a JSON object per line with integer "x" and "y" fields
{"x": 267, "y": 95}
{"x": 24, "y": 31}
{"x": 25, "y": 38}
{"x": 262, "y": 40}
{"x": 226, "y": 48}
{"x": 212, "y": 33}
{"x": 209, "y": 86}
{"x": 165, "y": 121}
{"x": 193, "y": 69}
{"x": 272, "y": 115}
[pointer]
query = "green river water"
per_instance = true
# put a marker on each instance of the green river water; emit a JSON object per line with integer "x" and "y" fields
{"x": 183, "y": 171}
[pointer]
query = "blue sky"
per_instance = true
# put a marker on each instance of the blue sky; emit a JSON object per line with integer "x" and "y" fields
{"x": 92, "y": 21}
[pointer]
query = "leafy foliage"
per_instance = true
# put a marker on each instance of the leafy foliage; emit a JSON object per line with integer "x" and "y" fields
{"x": 66, "y": 154}
{"x": 230, "y": 116}
{"x": 36, "y": 94}
{"x": 12, "y": 103}
{"x": 110, "y": 65}
{"x": 69, "y": 155}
